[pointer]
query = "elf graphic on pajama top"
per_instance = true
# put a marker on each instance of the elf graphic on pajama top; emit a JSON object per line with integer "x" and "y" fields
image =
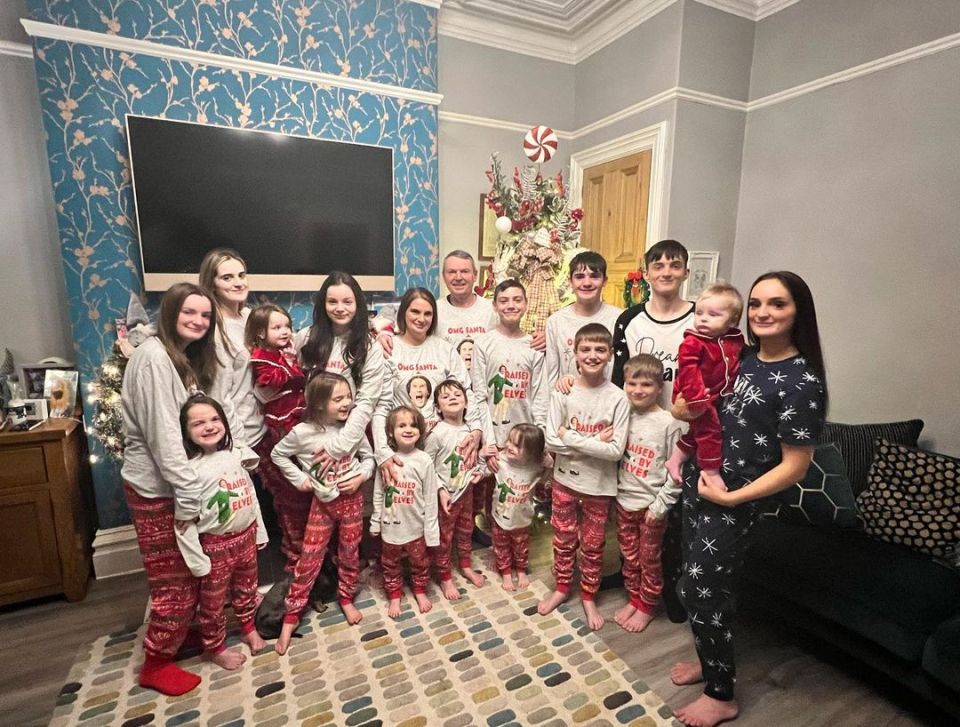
{"x": 389, "y": 511}
{"x": 505, "y": 490}
{"x": 455, "y": 483}
{"x": 222, "y": 500}
{"x": 500, "y": 403}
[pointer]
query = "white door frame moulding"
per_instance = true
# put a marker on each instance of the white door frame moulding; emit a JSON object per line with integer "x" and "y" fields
{"x": 653, "y": 137}
{"x": 9, "y": 48}
{"x": 245, "y": 65}
{"x": 116, "y": 552}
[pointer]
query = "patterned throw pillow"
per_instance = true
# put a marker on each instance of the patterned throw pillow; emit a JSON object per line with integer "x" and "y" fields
{"x": 856, "y": 444}
{"x": 913, "y": 498}
{"x": 824, "y": 498}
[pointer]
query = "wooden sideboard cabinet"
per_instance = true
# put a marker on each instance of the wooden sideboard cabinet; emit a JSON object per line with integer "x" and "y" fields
{"x": 46, "y": 512}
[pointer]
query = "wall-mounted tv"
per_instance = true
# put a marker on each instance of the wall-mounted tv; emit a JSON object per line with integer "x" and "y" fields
{"x": 294, "y": 207}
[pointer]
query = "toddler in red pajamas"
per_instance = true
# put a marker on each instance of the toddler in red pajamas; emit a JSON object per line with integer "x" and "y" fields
{"x": 587, "y": 431}
{"x": 707, "y": 366}
{"x": 220, "y": 544}
{"x": 337, "y": 498}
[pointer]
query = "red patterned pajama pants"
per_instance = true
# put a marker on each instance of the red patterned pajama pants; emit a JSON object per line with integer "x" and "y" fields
{"x": 457, "y": 527}
{"x": 233, "y": 575}
{"x": 390, "y": 556}
{"x": 291, "y": 505}
{"x": 511, "y": 549}
{"x": 173, "y": 589}
{"x": 640, "y": 545}
{"x": 578, "y": 523}
{"x": 345, "y": 513}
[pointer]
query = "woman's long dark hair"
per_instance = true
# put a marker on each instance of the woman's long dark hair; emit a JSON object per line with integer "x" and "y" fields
{"x": 316, "y": 351}
{"x": 805, "y": 334}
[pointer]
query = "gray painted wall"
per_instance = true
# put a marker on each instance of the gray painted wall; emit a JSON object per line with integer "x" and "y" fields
{"x": 716, "y": 51}
{"x": 32, "y": 294}
{"x": 814, "y": 38}
{"x": 855, "y": 188}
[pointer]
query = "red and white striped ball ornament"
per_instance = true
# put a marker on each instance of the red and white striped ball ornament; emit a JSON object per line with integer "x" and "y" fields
{"x": 540, "y": 143}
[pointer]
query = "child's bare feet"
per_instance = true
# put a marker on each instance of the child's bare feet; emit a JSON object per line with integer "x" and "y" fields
{"x": 423, "y": 602}
{"x": 393, "y": 608}
{"x": 522, "y": 580}
{"x": 551, "y": 602}
{"x": 712, "y": 478}
{"x": 449, "y": 590}
{"x": 477, "y": 579}
{"x": 637, "y": 622}
{"x": 352, "y": 613}
{"x": 686, "y": 672}
{"x": 706, "y": 711}
{"x": 254, "y": 641}
{"x": 229, "y": 659}
{"x": 507, "y": 581}
{"x": 283, "y": 641}
{"x": 624, "y": 613}
{"x": 594, "y": 619}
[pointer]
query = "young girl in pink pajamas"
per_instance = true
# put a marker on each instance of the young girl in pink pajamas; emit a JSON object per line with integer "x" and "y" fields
{"x": 221, "y": 542}
{"x": 405, "y": 511}
{"x": 337, "y": 499}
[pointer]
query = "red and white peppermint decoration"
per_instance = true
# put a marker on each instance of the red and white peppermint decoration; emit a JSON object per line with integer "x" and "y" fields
{"x": 540, "y": 143}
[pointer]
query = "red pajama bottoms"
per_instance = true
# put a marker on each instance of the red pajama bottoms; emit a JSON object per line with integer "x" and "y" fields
{"x": 578, "y": 523}
{"x": 390, "y": 556}
{"x": 291, "y": 505}
{"x": 640, "y": 545}
{"x": 233, "y": 574}
{"x": 457, "y": 527}
{"x": 511, "y": 549}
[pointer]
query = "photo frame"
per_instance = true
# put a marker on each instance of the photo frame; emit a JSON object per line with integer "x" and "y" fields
{"x": 60, "y": 391}
{"x": 489, "y": 237}
{"x": 33, "y": 378}
{"x": 703, "y": 273}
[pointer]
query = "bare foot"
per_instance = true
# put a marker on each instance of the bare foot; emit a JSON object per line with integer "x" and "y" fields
{"x": 507, "y": 581}
{"x": 522, "y": 580}
{"x": 686, "y": 672}
{"x": 594, "y": 619}
{"x": 477, "y": 579}
{"x": 712, "y": 478}
{"x": 637, "y": 622}
{"x": 229, "y": 659}
{"x": 423, "y": 602}
{"x": 449, "y": 590}
{"x": 551, "y": 602}
{"x": 624, "y": 613}
{"x": 706, "y": 711}
{"x": 283, "y": 641}
{"x": 352, "y": 613}
{"x": 393, "y": 608}
{"x": 254, "y": 641}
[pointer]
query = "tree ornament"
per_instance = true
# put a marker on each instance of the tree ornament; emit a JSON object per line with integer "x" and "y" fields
{"x": 540, "y": 144}
{"x": 503, "y": 225}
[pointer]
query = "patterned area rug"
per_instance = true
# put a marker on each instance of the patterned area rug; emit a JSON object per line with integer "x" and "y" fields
{"x": 488, "y": 660}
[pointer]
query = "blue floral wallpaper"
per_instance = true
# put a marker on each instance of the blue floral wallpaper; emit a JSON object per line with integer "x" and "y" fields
{"x": 85, "y": 91}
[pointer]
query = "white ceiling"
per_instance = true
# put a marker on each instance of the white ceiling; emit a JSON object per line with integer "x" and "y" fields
{"x": 567, "y": 30}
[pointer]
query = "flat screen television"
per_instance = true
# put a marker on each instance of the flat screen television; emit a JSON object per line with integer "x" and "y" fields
{"x": 295, "y": 208}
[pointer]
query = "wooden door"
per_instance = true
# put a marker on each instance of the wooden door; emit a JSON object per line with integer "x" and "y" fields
{"x": 616, "y": 196}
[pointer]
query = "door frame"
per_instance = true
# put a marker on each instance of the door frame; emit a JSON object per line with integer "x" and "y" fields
{"x": 652, "y": 137}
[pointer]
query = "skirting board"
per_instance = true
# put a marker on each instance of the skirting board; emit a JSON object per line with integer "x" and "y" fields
{"x": 116, "y": 553}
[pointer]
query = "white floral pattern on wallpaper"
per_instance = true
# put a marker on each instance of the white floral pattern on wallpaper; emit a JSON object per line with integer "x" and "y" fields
{"x": 389, "y": 41}
{"x": 85, "y": 93}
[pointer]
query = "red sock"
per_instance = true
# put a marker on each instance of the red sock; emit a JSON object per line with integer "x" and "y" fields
{"x": 166, "y": 677}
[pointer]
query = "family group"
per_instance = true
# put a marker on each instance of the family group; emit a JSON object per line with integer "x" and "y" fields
{"x": 661, "y": 413}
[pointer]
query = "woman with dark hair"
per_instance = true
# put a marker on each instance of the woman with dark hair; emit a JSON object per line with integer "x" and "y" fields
{"x": 771, "y": 424}
{"x": 159, "y": 479}
{"x": 419, "y": 352}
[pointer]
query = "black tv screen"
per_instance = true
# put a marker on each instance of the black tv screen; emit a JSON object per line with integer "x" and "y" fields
{"x": 295, "y": 208}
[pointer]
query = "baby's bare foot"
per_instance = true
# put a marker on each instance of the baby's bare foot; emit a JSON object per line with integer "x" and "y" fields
{"x": 477, "y": 579}
{"x": 254, "y": 641}
{"x": 594, "y": 619}
{"x": 551, "y": 602}
{"x": 449, "y": 590}
{"x": 352, "y": 613}
{"x": 522, "y": 580}
{"x": 393, "y": 608}
{"x": 506, "y": 581}
{"x": 229, "y": 659}
{"x": 423, "y": 602}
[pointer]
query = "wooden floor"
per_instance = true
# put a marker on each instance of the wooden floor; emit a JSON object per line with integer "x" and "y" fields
{"x": 780, "y": 681}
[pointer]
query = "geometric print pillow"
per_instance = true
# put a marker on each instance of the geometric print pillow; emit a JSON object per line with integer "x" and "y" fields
{"x": 912, "y": 498}
{"x": 824, "y": 498}
{"x": 856, "y": 443}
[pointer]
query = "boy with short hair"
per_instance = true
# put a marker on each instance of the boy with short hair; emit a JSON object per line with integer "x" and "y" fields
{"x": 645, "y": 490}
{"x": 588, "y": 275}
{"x": 587, "y": 430}
{"x": 709, "y": 359}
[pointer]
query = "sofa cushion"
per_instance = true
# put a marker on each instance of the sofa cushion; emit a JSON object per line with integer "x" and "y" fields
{"x": 941, "y": 656}
{"x": 891, "y": 595}
{"x": 913, "y": 498}
{"x": 825, "y": 497}
{"x": 856, "y": 444}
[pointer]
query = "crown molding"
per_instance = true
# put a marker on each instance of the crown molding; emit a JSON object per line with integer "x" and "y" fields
{"x": 618, "y": 23}
{"x": 743, "y": 8}
{"x": 544, "y": 44}
{"x": 245, "y": 65}
{"x": 9, "y": 48}
{"x": 766, "y": 8}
